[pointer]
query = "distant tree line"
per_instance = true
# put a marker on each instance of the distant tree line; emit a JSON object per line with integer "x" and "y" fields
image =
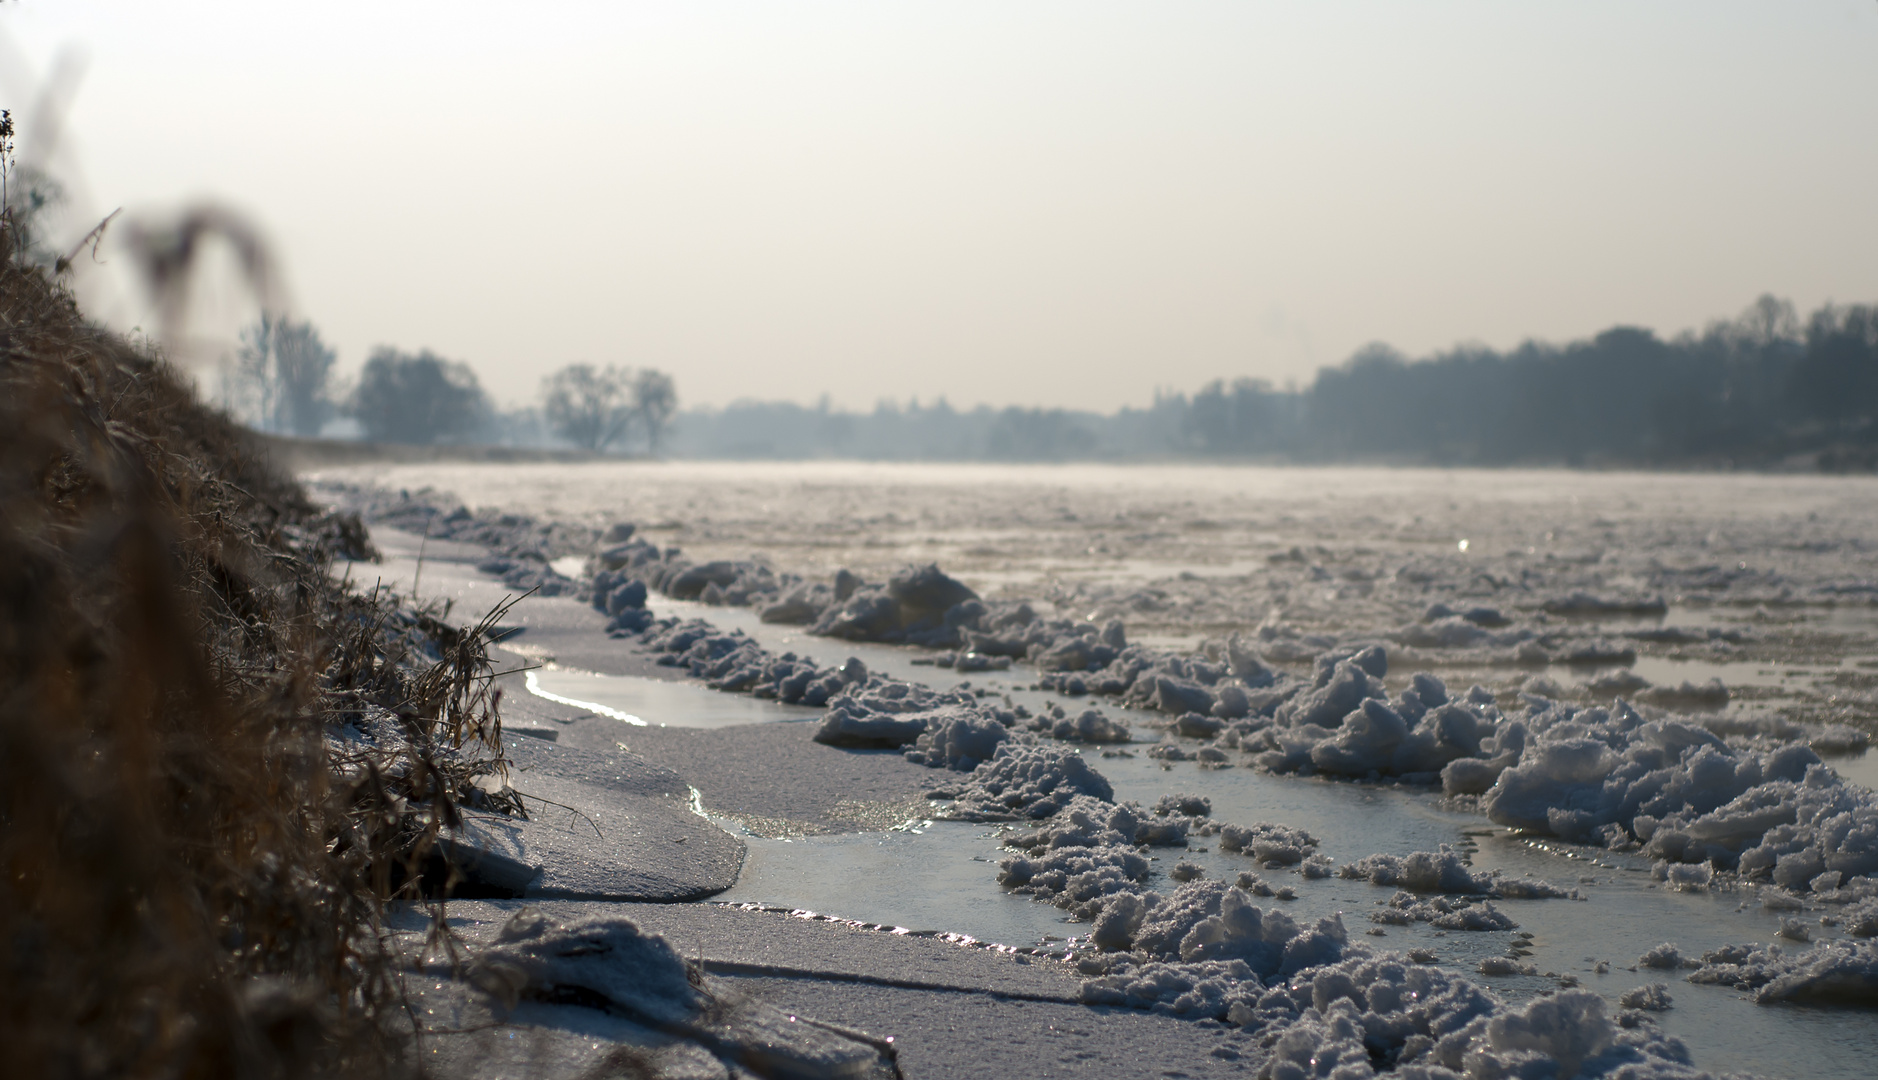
{"x": 1754, "y": 390}
{"x": 281, "y": 380}
{"x": 1764, "y": 387}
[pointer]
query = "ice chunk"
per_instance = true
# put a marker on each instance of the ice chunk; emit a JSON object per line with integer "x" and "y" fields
{"x": 1861, "y": 920}
{"x": 1340, "y": 691}
{"x": 1206, "y": 989}
{"x": 868, "y": 711}
{"x": 1184, "y": 803}
{"x": 799, "y": 605}
{"x": 1421, "y": 871}
{"x": 1345, "y": 1018}
{"x": 1501, "y": 965}
{"x": 1211, "y": 921}
{"x": 1687, "y": 695}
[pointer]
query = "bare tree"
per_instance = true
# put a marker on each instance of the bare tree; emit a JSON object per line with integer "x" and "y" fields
{"x": 304, "y": 364}
{"x": 252, "y": 389}
{"x": 589, "y": 407}
{"x": 655, "y": 398}
{"x": 281, "y": 375}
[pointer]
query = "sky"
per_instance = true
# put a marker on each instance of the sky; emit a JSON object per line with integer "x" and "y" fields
{"x": 1042, "y": 203}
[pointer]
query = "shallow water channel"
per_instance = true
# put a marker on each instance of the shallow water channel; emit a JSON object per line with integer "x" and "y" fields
{"x": 941, "y": 876}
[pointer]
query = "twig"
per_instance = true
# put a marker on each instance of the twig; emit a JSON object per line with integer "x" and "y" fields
{"x": 418, "y": 574}
{"x": 95, "y": 237}
{"x": 564, "y": 806}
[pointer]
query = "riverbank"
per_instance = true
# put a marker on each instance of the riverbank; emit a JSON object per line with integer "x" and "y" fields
{"x": 191, "y": 884}
{"x": 242, "y": 786}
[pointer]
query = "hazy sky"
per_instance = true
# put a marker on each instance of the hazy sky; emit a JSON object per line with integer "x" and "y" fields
{"x": 1038, "y": 203}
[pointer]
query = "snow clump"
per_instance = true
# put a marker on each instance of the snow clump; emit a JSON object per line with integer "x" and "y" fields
{"x": 1090, "y": 725}
{"x": 1443, "y": 913}
{"x": 1835, "y": 971}
{"x": 1378, "y": 1015}
{"x": 959, "y": 739}
{"x": 1272, "y": 845}
{"x": 1444, "y": 872}
{"x": 1665, "y": 956}
{"x": 885, "y": 713}
{"x": 1651, "y": 997}
{"x": 735, "y": 663}
{"x": 1027, "y": 781}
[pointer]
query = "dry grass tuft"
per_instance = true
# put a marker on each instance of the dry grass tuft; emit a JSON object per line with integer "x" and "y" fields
{"x": 194, "y": 858}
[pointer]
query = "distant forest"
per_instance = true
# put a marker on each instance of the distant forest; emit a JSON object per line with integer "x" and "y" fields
{"x": 1766, "y": 388}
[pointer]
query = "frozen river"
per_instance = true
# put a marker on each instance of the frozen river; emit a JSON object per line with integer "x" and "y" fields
{"x": 1765, "y": 583}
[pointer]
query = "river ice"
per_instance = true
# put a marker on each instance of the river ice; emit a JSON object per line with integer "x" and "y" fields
{"x": 1740, "y": 607}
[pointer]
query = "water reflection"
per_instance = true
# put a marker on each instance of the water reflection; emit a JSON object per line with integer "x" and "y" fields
{"x": 658, "y": 702}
